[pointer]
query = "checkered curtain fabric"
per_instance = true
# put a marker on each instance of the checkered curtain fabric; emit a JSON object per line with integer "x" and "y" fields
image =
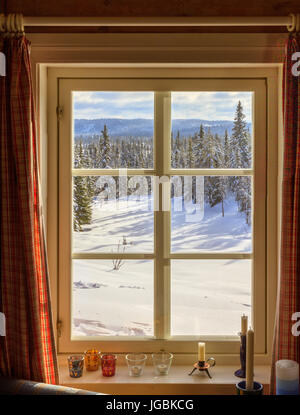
{"x": 28, "y": 349}
{"x": 287, "y": 346}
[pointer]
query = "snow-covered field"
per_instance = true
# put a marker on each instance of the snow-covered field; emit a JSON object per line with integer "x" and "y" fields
{"x": 208, "y": 296}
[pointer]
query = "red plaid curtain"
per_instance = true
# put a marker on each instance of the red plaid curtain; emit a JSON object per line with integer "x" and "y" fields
{"x": 287, "y": 346}
{"x": 28, "y": 349}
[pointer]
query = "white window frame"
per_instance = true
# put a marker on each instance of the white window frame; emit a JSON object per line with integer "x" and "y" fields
{"x": 201, "y": 79}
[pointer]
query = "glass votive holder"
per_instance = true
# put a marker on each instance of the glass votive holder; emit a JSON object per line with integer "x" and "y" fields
{"x": 108, "y": 364}
{"x": 287, "y": 377}
{"x": 162, "y": 362}
{"x": 136, "y": 363}
{"x": 76, "y": 363}
{"x": 241, "y": 388}
{"x": 92, "y": 359}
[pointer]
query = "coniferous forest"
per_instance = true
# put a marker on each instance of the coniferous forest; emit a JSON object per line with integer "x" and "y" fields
{"x": 200, "y": 150}
{"x": 114, "y": 213}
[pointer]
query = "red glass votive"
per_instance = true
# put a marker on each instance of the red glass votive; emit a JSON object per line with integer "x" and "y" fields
{"x": 108, "y": 364}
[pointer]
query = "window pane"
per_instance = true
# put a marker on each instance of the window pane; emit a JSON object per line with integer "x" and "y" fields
{"x": 113, "y": 129}
{"x": 211, "y": 213}
{"x": 112, "y": 298}
{"x": 211, "y": 130}
{"x": 208, "y": 297}
{"x": 112, "y": 214}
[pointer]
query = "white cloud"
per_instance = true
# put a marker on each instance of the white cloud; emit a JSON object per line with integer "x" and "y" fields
{"x": 210, "y": 105}
{"x": 205, "y": 105}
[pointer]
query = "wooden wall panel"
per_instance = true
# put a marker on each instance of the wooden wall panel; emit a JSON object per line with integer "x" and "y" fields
{"x": 152, "y": 8}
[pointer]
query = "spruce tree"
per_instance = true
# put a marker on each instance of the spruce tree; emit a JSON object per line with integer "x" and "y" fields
{"x": 244, "y": 197}
{"x": 190, "y": 155}
{"x": 198, "y": 147}
{"x": 82, "y": 192}
{"x": 215, "y": 186}
{"x": 176, "y": 155}
{"x": 82, "y": 203}
{"x": 227, "y": 164}
{"x": 105, "y": 148}
{"x": 124, "y": 155}
{"x": 241, "y": 158}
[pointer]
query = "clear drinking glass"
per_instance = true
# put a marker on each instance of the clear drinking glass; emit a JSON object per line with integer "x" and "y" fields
{"x": 162, "y": 362}
{"x": 136, "y": 363}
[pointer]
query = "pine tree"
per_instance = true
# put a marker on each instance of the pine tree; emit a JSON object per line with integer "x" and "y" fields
{"x": 215, "y": 186}
{"x": 104, "y": 149}
{"x": 82, "y": 192}
{"x": 92, "y": 150}
{"x": 241, "y": 158}
{"x": 207, "y": 155}
{"x": 244, "y": 197}
{"x": 190, "y": 155}
{"x": 176, "y": 154}
{"x": 82, "y": 203}
{"x": 141, "y": 157}
{"x": 240, "y": 141}
{"x": 198, "y": 147}
{"x": 124, "y": 155}
{"x": 227, "y": 164}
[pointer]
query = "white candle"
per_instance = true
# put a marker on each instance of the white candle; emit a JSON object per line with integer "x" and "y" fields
{"x": 162, "y": 368}
{"x": 244, "y": 324}
{"x": 136, "y": 370}
{"x": 201, "y": 352}
{"x": 249, "y": 359}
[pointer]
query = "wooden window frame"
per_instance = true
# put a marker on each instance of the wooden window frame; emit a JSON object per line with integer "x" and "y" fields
{"x": 264, "y": 87}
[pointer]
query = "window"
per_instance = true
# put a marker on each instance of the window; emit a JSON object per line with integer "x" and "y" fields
{"x": 162, "y": 212}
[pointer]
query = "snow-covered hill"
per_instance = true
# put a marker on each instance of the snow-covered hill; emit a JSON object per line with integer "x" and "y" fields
{"x": 139, "y": 127}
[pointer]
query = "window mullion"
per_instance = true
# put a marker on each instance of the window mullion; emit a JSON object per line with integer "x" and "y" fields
{"x": 162, "y": 128}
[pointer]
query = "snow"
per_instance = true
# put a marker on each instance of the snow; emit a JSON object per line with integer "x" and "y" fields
{"x": 209, "y": 296}
{"x": 109, "y": 302}
{"x": 123, "y": 305}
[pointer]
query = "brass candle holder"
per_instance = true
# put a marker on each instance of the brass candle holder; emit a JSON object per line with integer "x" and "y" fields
{"x": 204, "y": 366}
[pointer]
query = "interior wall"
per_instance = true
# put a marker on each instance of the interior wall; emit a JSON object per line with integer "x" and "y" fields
{"x": 153, "y": 7}
{"x": 149, "y": 8}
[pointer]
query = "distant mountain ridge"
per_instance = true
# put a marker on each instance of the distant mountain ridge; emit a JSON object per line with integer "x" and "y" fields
{"x": 142, "y": 127}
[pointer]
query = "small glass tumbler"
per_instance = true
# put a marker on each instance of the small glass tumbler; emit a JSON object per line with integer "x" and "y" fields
{"x": 92, "y": 359}
{"x": 162, "y": 363}
{"x": 108, "y": 364}
{"x": 76, "y": 363}
{"x": 136, "y": 363}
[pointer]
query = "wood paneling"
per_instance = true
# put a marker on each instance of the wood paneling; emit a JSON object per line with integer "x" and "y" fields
{"x": 153, "y": 8}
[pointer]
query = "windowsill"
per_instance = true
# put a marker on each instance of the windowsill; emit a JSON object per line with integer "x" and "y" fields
{"x": 177, "y": 382}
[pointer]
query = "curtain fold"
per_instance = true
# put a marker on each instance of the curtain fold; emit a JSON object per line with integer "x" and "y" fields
{"x": 287, "y": 346}
{"x": 28, "y": 349}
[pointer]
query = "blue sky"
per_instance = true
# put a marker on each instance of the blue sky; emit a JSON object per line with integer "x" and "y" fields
{"x": 202, "y": 105}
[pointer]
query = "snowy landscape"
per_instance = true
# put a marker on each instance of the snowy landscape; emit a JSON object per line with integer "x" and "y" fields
{"x": 200, "y": 289}
{"x": 115, "y": 298}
